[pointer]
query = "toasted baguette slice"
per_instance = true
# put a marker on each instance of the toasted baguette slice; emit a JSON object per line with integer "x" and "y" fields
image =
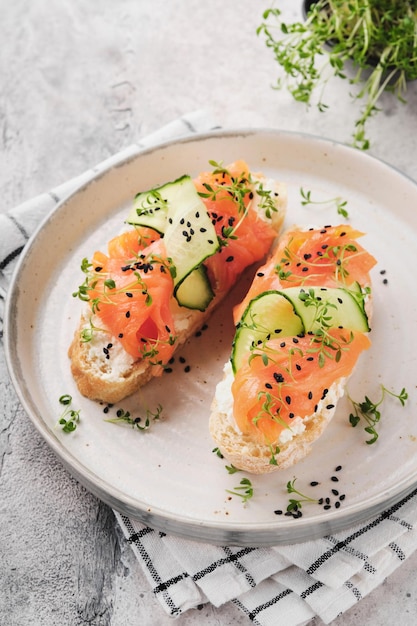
{"x": 250, "y": 452}
{"x": 110, "y": 380}
{"x": 255, "y": 457}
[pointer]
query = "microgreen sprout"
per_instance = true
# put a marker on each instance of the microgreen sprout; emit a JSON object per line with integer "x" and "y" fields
{"x": 295, "y": 504}
{"x": 339, "y": 203}
{"x": 370, "y": 413}
{"x": 323, "y": 342}
{"x": 141, "y": 423}
{"x": 231, "y": 469}
{"x": 244, "y": 490}
{"x": 218, "y": 453}
{"x": 69, "y": 417}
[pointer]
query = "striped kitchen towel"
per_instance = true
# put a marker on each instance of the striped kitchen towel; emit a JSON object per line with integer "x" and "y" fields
{"x": 288, "y": 584}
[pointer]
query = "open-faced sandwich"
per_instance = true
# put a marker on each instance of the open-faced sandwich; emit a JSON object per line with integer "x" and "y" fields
{"x": 299, "y": 333}
{"x": 187, "y": 244}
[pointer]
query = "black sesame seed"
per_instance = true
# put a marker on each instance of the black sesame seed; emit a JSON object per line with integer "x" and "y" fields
{"x": 342, "y": 497}
{"x": 182, "y": 359}
{"x": 294, "y": 340}
{"x": 334, "y": 479}
{"x": 337, "y": 505}
{"x": 278, "y": 512}
{"x": 268, "y": 385}
{"x": 260, "y": 274}
{"x": 120, "y": 335}
{"x": 106, "y": 409}
{"x": 187, "y": 368}
{"x": 327, "y": 500}
{"x": 330, "y": 406}
{"x": 327, "y": 507}
{"x": 310, "y": 395}
{"x": 338, "y": 468}
{"x": 335, "y": 492}
{"x": 310, "y": 358}
{"x": 129, "y": 295}
{"x": 291, "y": 415}
{"x": 385, "y": 281}
{"x": 282, "y": 344}
{"x": 127, "y": 314}
{"x": 288, "y": 399}
{"x": 168, "y": 370}
{"x": 229, "y": 259}
{"x": 314, "y": 483}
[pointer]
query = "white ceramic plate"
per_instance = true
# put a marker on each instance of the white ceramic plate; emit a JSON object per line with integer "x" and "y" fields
{"x": 169, "y": 477}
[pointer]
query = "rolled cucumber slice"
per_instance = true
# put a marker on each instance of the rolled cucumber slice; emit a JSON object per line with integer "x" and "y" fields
{"x": 195, "y": 291}
{"x": 190, "y": 236}
{"x": 343, "y": 309}
{"x": 268, "y": 315}
{"x": 295, "y": 311}
{"x": 176, "y": 211}
{"x": 150, "y": 208}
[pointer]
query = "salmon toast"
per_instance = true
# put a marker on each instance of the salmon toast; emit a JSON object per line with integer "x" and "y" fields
{"x": 187, "y": 243}
{"x": 300, "y": 330}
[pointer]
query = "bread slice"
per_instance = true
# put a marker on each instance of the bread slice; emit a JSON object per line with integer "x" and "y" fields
{"x": 255, "y": 457}
{"x": 109, "y": 380}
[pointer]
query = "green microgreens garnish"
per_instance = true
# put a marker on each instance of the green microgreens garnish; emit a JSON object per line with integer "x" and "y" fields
{"x": 239, "y": 189}
{"x": 377, "y": 38}
{"x": 324, "y": 344}
{"x": 335, "y": 256}
{"x": 370, "y": 413}
{"x": 275, "y": 450}
{"x": 339, "y": 203}
{"x": 138, "y": 422}
{"x": 153, "y": 202}
{"x": 69, "y": 418}
{"x": 295, "y": 504}
{"x": 87, "y": 333}
{"x": 218, "y": 453}
{"x": 244, "y": 490}
{"x": 231, "y": 469}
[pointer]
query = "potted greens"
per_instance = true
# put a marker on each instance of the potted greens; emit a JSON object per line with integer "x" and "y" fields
{"x": 371, "y": 43}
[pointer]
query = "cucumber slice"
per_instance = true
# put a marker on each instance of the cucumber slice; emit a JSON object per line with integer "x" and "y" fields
{"x": 343, "y": 308}
{"x": 268, "y": 315}
{"x": 190, "y": 236}
{"x": 293, "y": 312}
{"x": 176, "y": 211}
{"x": 150, "y": 208}
{"x": 195, "y": 291}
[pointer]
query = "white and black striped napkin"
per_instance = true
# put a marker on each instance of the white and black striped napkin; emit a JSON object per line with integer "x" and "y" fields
{"x": 284, "y": 584}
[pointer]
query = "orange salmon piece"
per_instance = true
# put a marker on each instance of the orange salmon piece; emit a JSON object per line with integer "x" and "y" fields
{"x": 268, "y": 396}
